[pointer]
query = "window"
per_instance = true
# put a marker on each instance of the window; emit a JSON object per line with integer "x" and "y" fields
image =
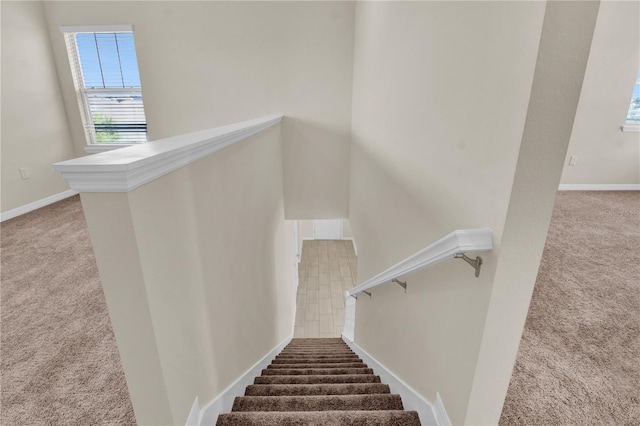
{"x": 105, "y": 74}
{"x": 633, "y": 116}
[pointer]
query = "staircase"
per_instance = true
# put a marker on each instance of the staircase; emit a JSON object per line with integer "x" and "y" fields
{"x": 318, "y": 382}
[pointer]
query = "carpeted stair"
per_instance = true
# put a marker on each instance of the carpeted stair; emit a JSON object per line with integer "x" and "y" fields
{"x": 318, "y": 382}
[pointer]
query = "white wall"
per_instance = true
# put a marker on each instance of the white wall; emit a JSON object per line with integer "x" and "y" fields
{"x": 198, "y": 272}
{"x": 35, "y": 132}
{"x": 205, "y": 64}
{"x": 606, "y": 155}
{"x": 441, "y": 102}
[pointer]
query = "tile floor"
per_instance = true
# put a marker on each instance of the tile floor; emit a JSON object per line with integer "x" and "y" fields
{"x": 326, "y": 270}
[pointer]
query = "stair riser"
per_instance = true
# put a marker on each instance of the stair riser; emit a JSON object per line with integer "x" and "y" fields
{"x": 320, "y": 348}
{"x": 318, "y": 403}
{"x": 312, "y": 352}
{"x": 316, "y": 361}
{"x": 315, "y": 371}
{"x": 317, "y": 379}
{"x": 317, "y": 365}
{"x": 323, "y": 389}
{"x": 317, "y": 354}
{"x": 333, "y": 418}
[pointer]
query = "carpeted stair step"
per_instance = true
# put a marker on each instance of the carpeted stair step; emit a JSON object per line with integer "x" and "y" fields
{"x": 319, "y": 389}
{"x": 321, "y": 418}
{"x": 315, "y": 360}
{"x": 319, "y": 382}
{"x": 317, "y": 365}
{"x": 314, "y": 371}
{"x": 317, "y": 344}
{"x": 315, "y": 353}
{"x": 316, "y": 379}
{"x": 318, "y": 403}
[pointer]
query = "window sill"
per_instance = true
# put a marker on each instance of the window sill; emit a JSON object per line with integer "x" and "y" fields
{"x": 631, "y": 127}
{"x": 104, "y": 147}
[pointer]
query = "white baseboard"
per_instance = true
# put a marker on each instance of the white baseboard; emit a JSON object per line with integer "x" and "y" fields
{"x": 223, "y": 402}
{"x": 194, "y": 414}
{"x": 440, "y": 412}
{"x": 411, "y": 400}
{"x": 10, "y": 214}
{"x": 355, "y": 247}
{"x": 599, "y": 187}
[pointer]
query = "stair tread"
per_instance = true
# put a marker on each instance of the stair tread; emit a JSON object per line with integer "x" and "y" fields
{"x": 321, "y": 418}
{"x": 317, "y": 389}
{"x": 316, "y": 354}
{"x": 316, "y": 360}
{"x": 315, "y": 379}
{"x": 321, "y": 365}
{"x": 318, "y": 402}
{"x": 315, "y": 371}
{"x": 311, "y": 352}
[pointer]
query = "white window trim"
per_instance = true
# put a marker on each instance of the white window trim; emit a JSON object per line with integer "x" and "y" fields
{"x": 97, "y": 29}
{"x": 631, "y": 126}
{"x": 69, "y": 32}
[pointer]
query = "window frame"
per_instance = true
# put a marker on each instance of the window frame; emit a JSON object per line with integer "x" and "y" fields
{"x": 83, "y": 93}
{"x": 632, "y": 126}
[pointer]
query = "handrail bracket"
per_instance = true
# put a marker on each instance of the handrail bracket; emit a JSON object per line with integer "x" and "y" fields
{"x": 367, "y": 293}
{"x": 475, "y": 263}
{"x": 400, "y": 283}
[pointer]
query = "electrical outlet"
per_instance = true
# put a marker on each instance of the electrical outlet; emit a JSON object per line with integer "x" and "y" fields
{"x": 24, "y": 173}
{"x": 572, "y": 160}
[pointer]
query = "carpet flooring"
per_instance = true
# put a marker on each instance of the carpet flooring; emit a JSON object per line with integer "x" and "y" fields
{"x": 578, "y": 363}
{"x": 59, "y": 360}
{"x": 318, "y": 382}
{"x": 579, "y": 358}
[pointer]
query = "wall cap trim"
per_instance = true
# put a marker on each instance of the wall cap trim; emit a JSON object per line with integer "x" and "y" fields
{"x": 125, "y": 169}
{"x": 461, "y": 240}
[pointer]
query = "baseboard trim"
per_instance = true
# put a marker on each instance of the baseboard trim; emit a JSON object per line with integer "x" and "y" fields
{"x": 223, "y": 402}
{"x": 194, "y": 414}
{"x": 410, "y": 398}
{"x": 18, "y": 211}
{"x": 599, "y": 187}
{"x": 440, "y": 412}
{"x": 355, "y": 247}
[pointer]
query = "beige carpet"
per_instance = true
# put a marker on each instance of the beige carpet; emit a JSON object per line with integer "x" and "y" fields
{"x": 60, "y": 363}
{"x": 579, "y": 359}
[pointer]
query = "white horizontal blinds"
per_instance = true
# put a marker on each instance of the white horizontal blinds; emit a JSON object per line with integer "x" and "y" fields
{"x": 107, "y": 76}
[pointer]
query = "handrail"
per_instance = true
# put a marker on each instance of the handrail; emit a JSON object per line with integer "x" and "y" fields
{"x": 124, "y": 169}
{"x": 448, "y": 247}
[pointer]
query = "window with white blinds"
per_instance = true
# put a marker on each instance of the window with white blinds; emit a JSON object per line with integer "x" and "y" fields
{"x": 107, "y": 81}
{"x": 633, "y": 116}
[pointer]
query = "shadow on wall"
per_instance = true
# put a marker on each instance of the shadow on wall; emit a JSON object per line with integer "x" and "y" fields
{"x": 316, "y": 169}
